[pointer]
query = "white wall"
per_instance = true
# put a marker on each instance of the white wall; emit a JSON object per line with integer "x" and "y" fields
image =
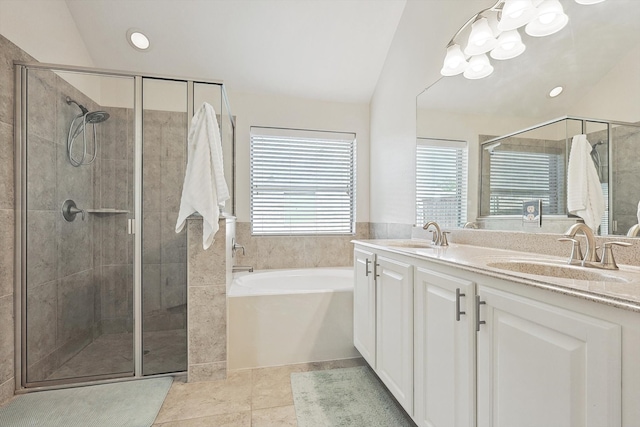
{"x": 279, "y": 111}
{"x": 46, "y": 30}
{"x": 617, "y": 95}
{"x": 407, "y": 71}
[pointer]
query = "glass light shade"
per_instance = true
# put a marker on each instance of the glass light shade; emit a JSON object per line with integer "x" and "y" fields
{"x": 516, "y": 13}
{"x": 479, "y": 67}
{"x": 509, "y": 45}
{"x": 589, "y": 1}
{"x": 455, "y": 62}
{"x": 481, "y": 39}
{"x": 551, "y": 19}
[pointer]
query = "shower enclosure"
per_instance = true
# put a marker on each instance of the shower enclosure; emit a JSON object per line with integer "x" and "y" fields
{"x": 101, "y": 273}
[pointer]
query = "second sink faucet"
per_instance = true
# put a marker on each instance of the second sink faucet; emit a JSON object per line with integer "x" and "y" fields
{"x": 439, "y": 236}
{"x": 590, "y": 256}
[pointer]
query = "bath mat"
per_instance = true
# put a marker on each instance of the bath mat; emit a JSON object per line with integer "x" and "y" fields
{"x": 126, "y": 404}
{"x": 350, "y": 397}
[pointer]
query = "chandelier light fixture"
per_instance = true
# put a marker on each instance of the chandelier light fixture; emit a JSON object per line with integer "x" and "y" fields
{"x": 495, "y": 31}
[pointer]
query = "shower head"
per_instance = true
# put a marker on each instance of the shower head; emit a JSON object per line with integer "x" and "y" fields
{"x": 96, "y": 117}
{"x": 71, "y": 101}
{"x": 594, "y": 147}
{"x": 93, "y": 117}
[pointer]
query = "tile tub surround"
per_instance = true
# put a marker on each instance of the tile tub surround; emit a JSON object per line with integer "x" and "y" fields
{"x": 274, "y": 252}
{"x": 623, "y": 292}
{"x": 208, "y": 273}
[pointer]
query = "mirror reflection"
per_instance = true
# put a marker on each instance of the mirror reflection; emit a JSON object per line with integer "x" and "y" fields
{"x": 520, "y": 137}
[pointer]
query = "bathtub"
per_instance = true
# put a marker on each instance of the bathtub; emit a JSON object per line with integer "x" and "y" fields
{"x": 281, "y": 317}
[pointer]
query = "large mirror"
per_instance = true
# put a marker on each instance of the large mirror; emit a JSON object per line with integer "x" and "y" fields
{"x": 513, "y": 126}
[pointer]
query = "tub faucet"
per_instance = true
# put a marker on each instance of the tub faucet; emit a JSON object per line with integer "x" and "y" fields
{"x": 634, "y": 231}
{"x": 590, "y": 257}
{"x": 439, "y": 237}
{"x": 235, "y": 246}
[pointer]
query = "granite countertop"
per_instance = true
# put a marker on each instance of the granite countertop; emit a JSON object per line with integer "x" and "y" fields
{"x": 618, "y": 288}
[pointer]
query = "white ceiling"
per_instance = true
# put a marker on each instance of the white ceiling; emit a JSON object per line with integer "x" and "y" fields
{"x": 320, "y": 49}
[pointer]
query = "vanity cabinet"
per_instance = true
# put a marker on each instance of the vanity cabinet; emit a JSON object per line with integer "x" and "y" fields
{"x": 444, "y": 349}
{"x": 364, "y": 305}
{"x": 394, "y": 328}
{"x": 542, "y": 365}
{"x": 459, "y": 348}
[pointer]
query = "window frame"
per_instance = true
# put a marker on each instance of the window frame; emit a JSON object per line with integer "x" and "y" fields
{"x": 330, "y": 184}
{"x": 460, "y": 150}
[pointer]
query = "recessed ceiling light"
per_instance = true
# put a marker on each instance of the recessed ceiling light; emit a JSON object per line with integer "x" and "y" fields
{"x": 137, "y": 39}
{"x": 556, "y": 91}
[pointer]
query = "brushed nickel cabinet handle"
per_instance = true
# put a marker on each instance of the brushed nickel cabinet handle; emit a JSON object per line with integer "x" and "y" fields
{"x": 458, "y": 311}
{"x": 478, "y": 321}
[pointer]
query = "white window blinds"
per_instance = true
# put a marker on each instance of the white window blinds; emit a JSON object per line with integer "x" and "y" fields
{"x": 517, "y": 176}
{"x": 441, "y": 182}
{"x": 302, "y": 182}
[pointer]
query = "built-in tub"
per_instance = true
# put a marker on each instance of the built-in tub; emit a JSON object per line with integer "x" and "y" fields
{"x": 281, "y": 317}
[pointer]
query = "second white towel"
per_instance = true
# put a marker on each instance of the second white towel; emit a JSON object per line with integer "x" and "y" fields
{"x": 584, "y": 192}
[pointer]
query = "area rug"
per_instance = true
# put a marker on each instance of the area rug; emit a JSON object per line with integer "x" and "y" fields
{"x": 125, "y": 404}
{"x": 344, "y": 397}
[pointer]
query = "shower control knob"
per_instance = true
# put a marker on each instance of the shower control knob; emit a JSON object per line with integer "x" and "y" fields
{"x": 70, "y": 210}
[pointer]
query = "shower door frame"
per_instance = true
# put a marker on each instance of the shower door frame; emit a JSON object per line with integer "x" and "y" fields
{"x": 20, "y": 282}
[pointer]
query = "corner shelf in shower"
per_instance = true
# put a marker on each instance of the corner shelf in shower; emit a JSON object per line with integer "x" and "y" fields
{"x": 107, "y": 211}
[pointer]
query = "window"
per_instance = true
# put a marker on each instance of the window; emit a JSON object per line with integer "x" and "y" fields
{"x": 441, "y": 182}
{"x": 518, "y": 175}
{"x": 302, "y": 182}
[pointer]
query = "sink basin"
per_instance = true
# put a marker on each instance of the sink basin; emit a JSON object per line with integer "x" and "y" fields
{"x": 561, "y": 271}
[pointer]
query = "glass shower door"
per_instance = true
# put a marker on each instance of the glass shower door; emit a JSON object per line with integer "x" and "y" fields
{"x": 77, "y": 295}
{"x": 164, "y": 252}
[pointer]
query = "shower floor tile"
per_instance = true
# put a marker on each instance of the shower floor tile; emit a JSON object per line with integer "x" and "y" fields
{"x": 164, "y": 351}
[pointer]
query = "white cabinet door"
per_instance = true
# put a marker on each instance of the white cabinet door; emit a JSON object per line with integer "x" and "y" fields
{"x": 444, "y": 350}
{"x": 394, "y": 321}
{"x": 364, "y": 305}
{"x": 541, "y": 365}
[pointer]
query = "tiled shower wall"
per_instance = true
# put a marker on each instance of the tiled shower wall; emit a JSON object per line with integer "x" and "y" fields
{"x": 625, "y": 176}
{"x": 113, "y": 246}
{"x": 75, "y": 270}
{"x": 61, "y": 286}
{"x": 8, "y": 53}
{"x": 164, "y": 252}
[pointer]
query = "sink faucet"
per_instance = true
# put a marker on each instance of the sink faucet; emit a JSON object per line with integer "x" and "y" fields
{"x": 590, "y": 257}
{"x": 439, "y": 237}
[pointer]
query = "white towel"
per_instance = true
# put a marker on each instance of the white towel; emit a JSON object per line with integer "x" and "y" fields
{"x": 584, "y": 192}
{"x": 205, "y": 189}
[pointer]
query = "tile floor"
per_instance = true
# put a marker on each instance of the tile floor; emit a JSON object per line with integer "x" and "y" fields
{"x": 247, "y": 398}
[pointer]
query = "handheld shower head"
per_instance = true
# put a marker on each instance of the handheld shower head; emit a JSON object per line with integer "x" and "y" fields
{"x": 71, "y": 101}
{"x": 96, "y": 117}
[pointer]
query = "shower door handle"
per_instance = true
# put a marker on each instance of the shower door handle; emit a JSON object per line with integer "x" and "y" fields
{"x": 131, "y": 226}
